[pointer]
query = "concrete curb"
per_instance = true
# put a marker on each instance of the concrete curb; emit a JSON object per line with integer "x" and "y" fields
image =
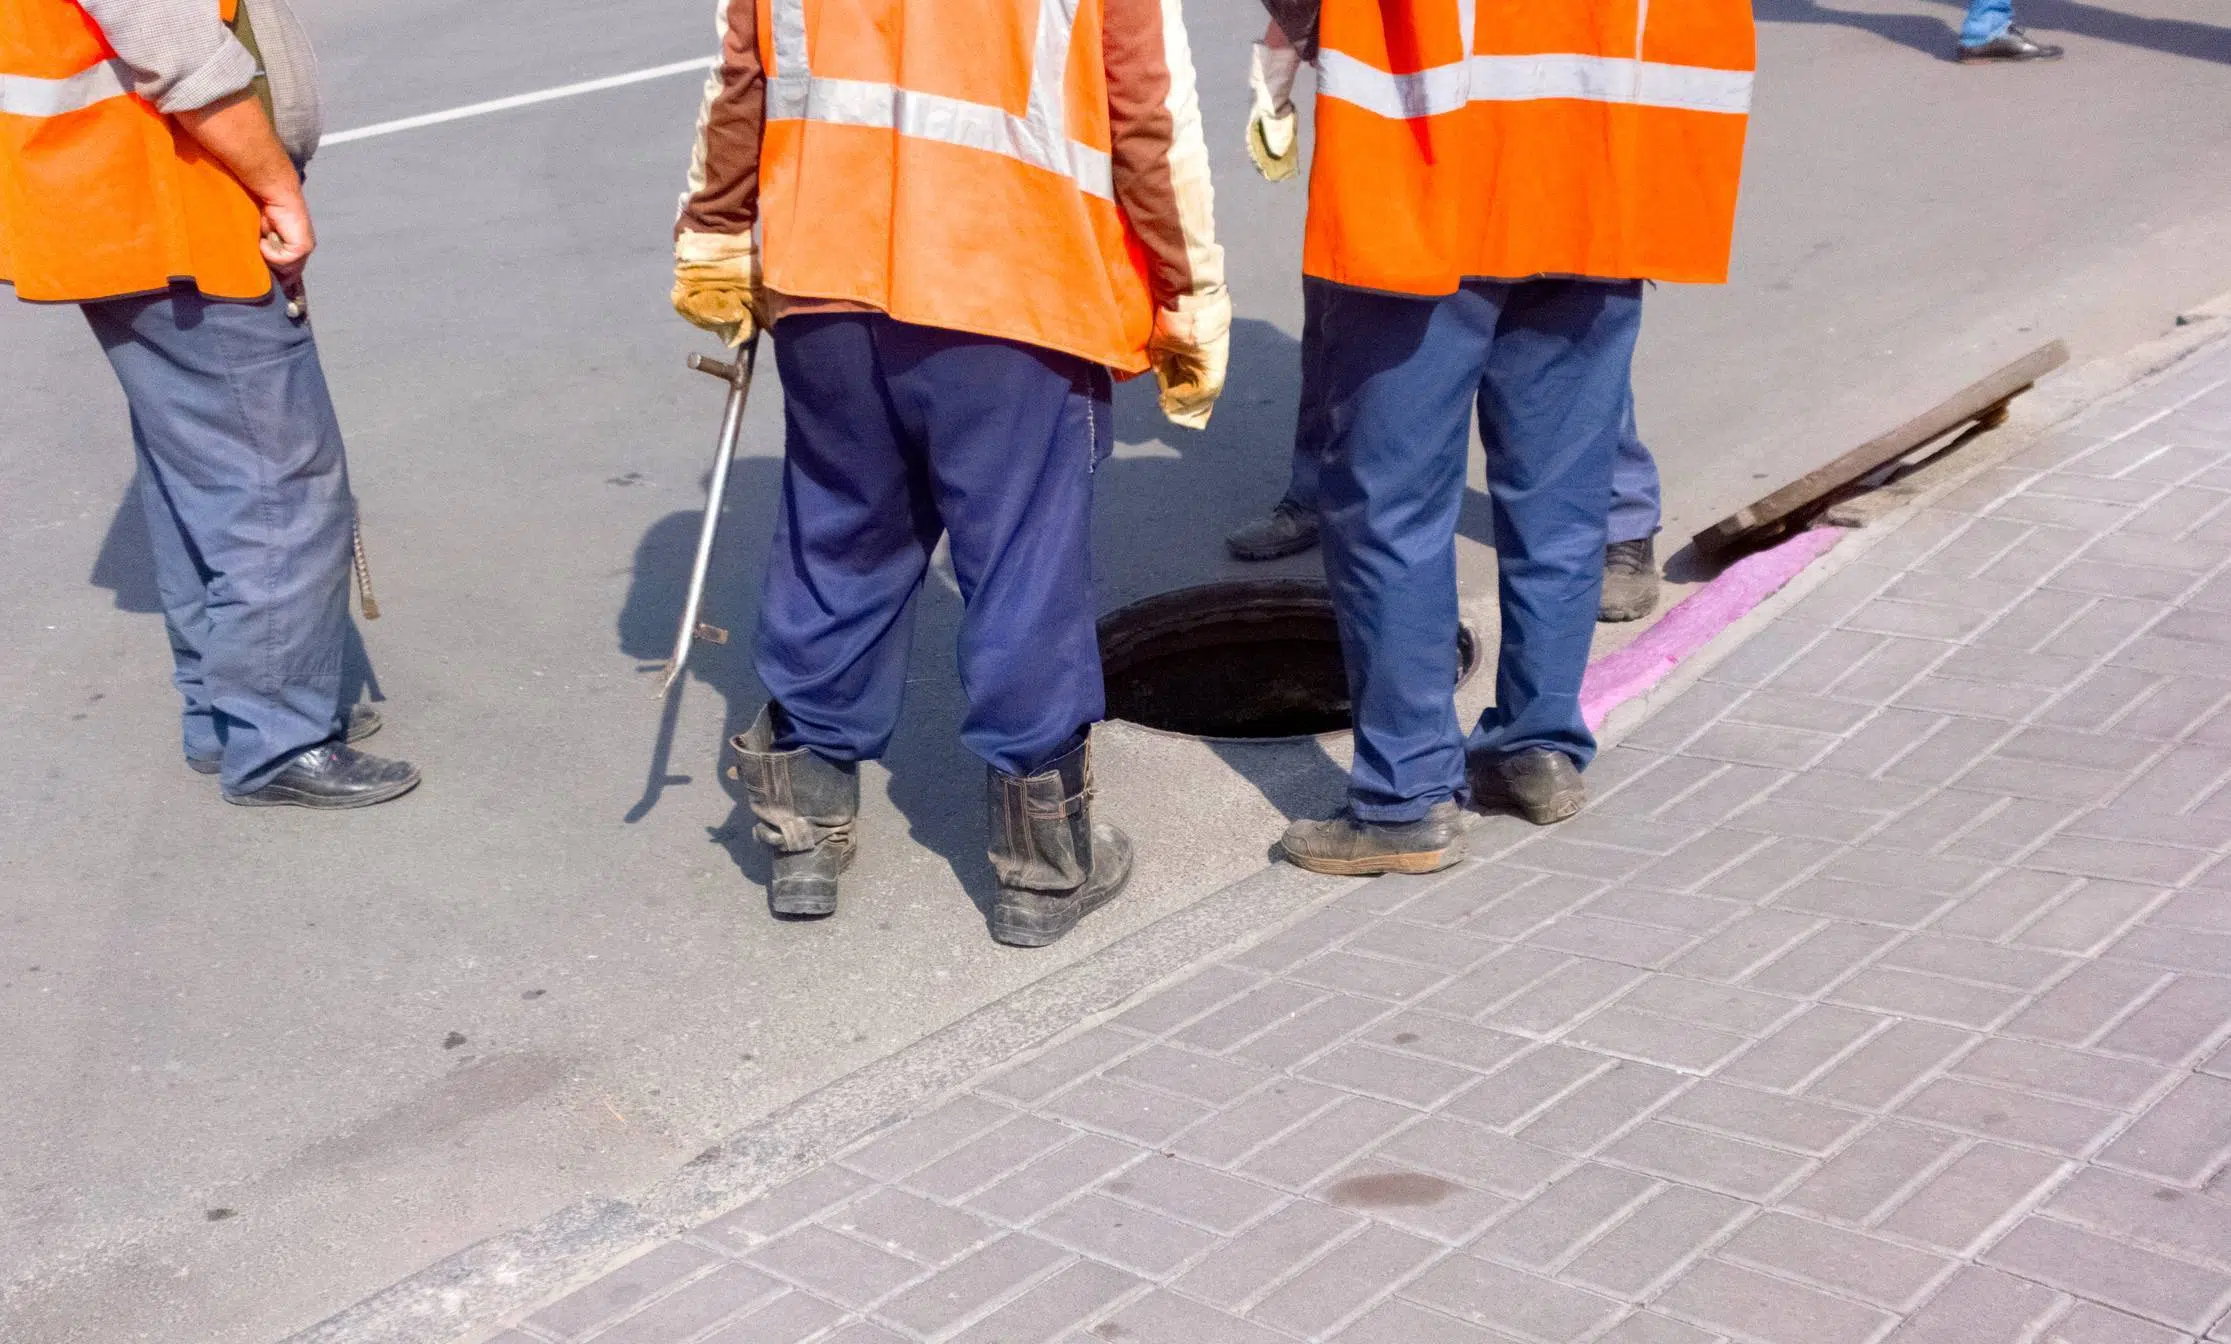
{"x": 464, "y": 1296}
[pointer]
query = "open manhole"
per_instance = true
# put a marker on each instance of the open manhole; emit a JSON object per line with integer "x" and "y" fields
{"x": 1252, "y": 658}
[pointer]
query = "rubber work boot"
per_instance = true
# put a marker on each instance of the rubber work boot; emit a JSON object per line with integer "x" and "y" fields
{"x": 363, "y": 722}
{"x": 1055, "y": 865}
{"x": 806, "y": 808}
{"x": 1346, "y": 847}
{"x": 2011, "y": 45}
{"x": 1290, "y": 529}
{"x": 1541, "y": 784}
{"x": 1630, "y": 580}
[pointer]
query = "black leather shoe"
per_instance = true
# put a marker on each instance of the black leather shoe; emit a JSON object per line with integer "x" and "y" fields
{"x": 1289, "y": 529}
{"x": 2011, "y": 45}
{"x": 333, "y": 776}
{"x": 363, "y": 722}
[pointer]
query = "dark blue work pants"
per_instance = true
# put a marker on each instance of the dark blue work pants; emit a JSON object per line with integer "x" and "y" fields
{"x": 1547, "y": 362}
{"x": 898, "y": 434}
{"x": 1636, "y": 497}
{"x": 246, "y": 492}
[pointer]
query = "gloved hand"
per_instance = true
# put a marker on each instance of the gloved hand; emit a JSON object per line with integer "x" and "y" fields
{"x": 716, "y": 284}
{"x": 1271, "y": 136}
{"x": 1189, "y": 348}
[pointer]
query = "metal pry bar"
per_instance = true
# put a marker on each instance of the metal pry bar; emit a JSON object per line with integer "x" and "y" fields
{"x": 738, "y": 377}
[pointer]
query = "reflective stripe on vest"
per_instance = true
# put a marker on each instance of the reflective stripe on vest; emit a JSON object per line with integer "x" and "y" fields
{"x": 1038, "y": 138}
{"x": 1507, "y": 79}
{"x": 24, "y": 96}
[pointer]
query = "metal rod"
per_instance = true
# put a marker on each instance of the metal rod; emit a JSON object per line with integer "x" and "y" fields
{"x": 731, "y": 427}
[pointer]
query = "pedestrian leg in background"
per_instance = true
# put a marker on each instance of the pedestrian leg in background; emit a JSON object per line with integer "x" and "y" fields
{"x": 1291, "y": 526}
{"x": 245, "y": 486}
{"x": 898, "y": 433}
{"x": 1989, "y": 34}
{"x": 1552, "y": 409}
{"x": 1399, "y": 376}
{"x": 1631, "y": 555}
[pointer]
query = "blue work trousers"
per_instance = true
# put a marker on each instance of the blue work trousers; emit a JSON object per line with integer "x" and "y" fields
{"x": 246, "y": 491}
{"x": 1986, "y": 20}
{"x": 1548, "y": 363}
{"x": 897, "y": 434}
{"x": 1636, "y": 508}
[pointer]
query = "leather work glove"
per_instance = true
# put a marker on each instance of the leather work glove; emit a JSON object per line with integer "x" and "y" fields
{"x": 1271, "y": 135}
{"x": 1189, "y": 348}
{"x": 716, "y": 284}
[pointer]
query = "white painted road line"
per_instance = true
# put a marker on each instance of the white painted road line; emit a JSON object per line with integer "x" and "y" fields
{"x": 517, "y": 100}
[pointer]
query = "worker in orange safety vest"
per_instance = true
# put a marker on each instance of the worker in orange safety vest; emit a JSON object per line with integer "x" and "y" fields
{"x": 970, "y": 214}
{"x": 1493, "y": 182}
{"x": 142, "y": 178}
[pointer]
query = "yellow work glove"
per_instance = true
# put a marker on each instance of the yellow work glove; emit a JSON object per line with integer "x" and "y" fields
{"x": 1189, "y": 349}
{"x": 716, "y": 284}
{"x": 1272, "y": 140}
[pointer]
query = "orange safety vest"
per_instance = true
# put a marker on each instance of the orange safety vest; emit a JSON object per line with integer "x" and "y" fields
{"x": 948, "y": 162}
{"x": 1505, "y": 139}
{"x": 100, "y": 195}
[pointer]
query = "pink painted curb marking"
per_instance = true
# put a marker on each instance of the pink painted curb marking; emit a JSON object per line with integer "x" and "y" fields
{"x": 1617, "y": 678}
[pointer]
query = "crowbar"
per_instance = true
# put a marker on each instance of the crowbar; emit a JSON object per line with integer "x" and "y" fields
{"x": 738, "y": 377}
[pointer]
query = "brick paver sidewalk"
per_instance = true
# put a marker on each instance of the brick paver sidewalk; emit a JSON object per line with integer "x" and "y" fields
{"x": 1882, "y": 994}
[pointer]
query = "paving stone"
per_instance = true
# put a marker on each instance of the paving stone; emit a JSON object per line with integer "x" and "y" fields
{"x": 2090, "y": 916}
{"x": 2090, "y": 1323}
{"x": 2005, "y": 903}
{"x": 847, "y": 1272}
{"x": 2184, "y": 1017}
{"x": 1502, "y": 1298}
{"x": 1078, "y": 1293}
{"x": 1830, "y": 954}
{"x": 1229, "y": 1135}
{"x": 1165, "y": 1318}
{"x": 912, "y": 1226}
{"x": 1691, "y": 864}
{"x": 1713, "y": 1161}
{"x": 2040, "y": 552}
{"x": 1528, "y": 1084}
{"x": 985, "y": 1158}
{"x": 1266, "y": 1006}
{"x": 1713, "y": 1005}
{"x": 1853, "y": 1263}
{"x": 1878, "y": 1167}
{"x": 2184, "y": 1139}
{"x": 1565, "y": 853}
{"x": 2021, "y": 1117}
{"x": 1671, "y": 778}
{"x": 2139, "y": 1281}
{"x": 1652, "y": 839}
{"x": 1129, "y": 1238}
{"x": 1437, "y": 1037}
{"x": 921, "y": 1141}
{"x": 1193, "y": 1193}
{"x": 1785, "y": 860}
{"x": 1325, "y": 1141}
{"x": 1570, "y": 1213}
{"x": 1473, "y": 889}
{"x": 1204, "y": 1078}
{"x": 1911, "y": 994}
{"x": 1532, "y": 905}
{"x": 2141, "y": 1212}
{"x": 1888, "y": 668}
{"x": 2031, "y": 623}
{"x": 2130, "y": 861}
{"x": 1066, "y": 1171}
{"x": 1810, "y": 1043}
{"x": 1777, "y": 815}
{"x": 1386, "y": 1073}
{"x": 1883, "y": 739}
{"x": 1786, "y": 1122}
{"x": 1368, "y": 977}
{"x": 2178, "y": 949}
{"x": 1568, "y": 993}
{"x": 1495, "y": 981}
{"x": 863, "y": 1332}
{"x": 1127, "y": 1112}
{"x": 1244, "y": 1267}
{"x": 2031, "y": 673}
{"x": 1399, "y": 1322}
{"x": 2178, "y": 702}
{"x": 1656, "y": 1040}
{"x": 1288, "y": 949}
{"x": 1725, "y": 793}
{"x": 963, "y": 1289}
{"x": 1344, "y": 1281}
{"x": 2069, "y": 784}
{"x": 1323, "y": 1024}
{"x": 1745, "y": 945}
{"x": 1661, "y": 1236}
{"x": 1601, "y": 1107}
{"x": 1645, "y": 1327}
{"x": 1399, "y": 1194}
{"x": 1473, "y": 1154}
{"x": 1755, "y": 1306}
{"x": 1889, "y": 1063}
{"x": 1612, "y": 940}
{"x": 1172, "y": 1008}
{"x": 1925, "y": 620}
{"x": 1980, "y": 1306}
{"x": 2074, "y": 1074}
{"x": 1959, "y": 1205}
{"x": 1441, "y": 949}
{"x": 2087, "y": 1002}
{"x": 785, "y": 1206}
{"x": 2209, "y": 911}
{"x": 1901, "y": 907}
{"x": 789, "y": 1319}
{"x": 1969, "y": 959}
{"x": 701, "y": 1303}
{"x": 653, "y": 1272}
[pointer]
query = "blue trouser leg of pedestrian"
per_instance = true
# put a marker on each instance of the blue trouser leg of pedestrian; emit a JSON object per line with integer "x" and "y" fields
{"x": 898, "y": 432}
{"x": 1551, "y": 408}
{"x": 246, "y": 486}
{"x": 1399, "y": 378}
{"x": 1986, "y": 20}
{"x": 1636, "y": 510}
{"x": 1309, "y": 418}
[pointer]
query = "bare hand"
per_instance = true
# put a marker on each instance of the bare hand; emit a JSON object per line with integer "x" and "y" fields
{"x": 288, "y": 238}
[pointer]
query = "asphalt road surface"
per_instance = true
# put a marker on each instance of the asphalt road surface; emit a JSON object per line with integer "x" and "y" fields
{"x": 255, "y": 1065}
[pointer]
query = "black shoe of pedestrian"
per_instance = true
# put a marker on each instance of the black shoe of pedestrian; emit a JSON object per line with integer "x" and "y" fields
{"x": 1289, "y": 530}
{"x": 1540, "y": 784}
{"x": 363, "y": 722}
{"x": 2011, "y": 45}
{"x": 1630, "y": 580}
{"x": 807, "y": 809}
{"x": 1346, "y": 847}
{"x": 331, "y": 777}
{"x": 1054, "y": 863}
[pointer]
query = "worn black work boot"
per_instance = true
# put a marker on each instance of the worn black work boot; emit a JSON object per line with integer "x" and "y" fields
{"x": 2011, "y": 45}
{"x": 1346, "y": 847}
{"x": 1289, "y": 529}
{"x": 330, "y": 777}
{"x": 1630, "y": 580}
{"x": 1541, "y": 784}
{"x": 807, "y": 807}
{"x": 363, "y": 722}
{"x": 1055, "y": 864}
